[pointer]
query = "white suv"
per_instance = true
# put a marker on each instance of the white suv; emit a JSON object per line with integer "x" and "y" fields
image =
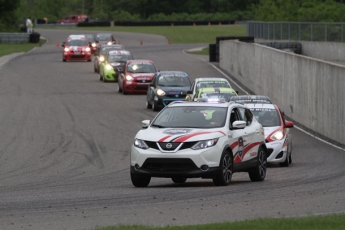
{"x": 199, "y": 140}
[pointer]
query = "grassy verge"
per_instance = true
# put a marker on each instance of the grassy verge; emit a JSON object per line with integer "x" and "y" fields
{"x": 16, "y": 48}
{"x": 175, "y": 34}
{"x": 334, "y": 222}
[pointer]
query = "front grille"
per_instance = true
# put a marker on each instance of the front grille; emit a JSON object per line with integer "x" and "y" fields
{"x": 142, "y": 81}
{"x": 169, "y": 165}
{"x": 172, "y": 145}
{"x": 178, "y": 95}
{"x": 140, "y": 87}
{"x": 77, "y": 56}
{"x": 185, "y": 145}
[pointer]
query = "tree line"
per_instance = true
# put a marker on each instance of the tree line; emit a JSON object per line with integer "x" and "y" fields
{"x": 13, "y": 11}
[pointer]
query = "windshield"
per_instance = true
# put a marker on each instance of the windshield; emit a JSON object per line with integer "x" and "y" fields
{"x": 104, "y": 37}
{"x": 191, "y": 117}
{"x": 227, "y": 96}
{"x": 212, "y": 84}
{"x": 77, "y": 43}
{"x": 173, "y": 80}
{"x": 119, "y": 58}
{"x": 141, "y": 68}
{"x": 266, "y": 117}
{"x": 90, "y": 37}
{"x": 105, "y": 49}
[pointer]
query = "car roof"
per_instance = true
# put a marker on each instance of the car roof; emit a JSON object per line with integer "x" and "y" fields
{"x": 76, "y": 36}
{"x": 262, "y": 106}
{"x": 251, "y": 99}
{"x": 217, "y": 89}
{"x": 139, "y": 61}
{"x": 119, "y": 52}
{"x": 172, "y": 72}
{"x": 199, "y": 103}
{"x": 211, "y": 79}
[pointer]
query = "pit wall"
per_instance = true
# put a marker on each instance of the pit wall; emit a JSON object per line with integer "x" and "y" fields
{"x": 310, "y": 91}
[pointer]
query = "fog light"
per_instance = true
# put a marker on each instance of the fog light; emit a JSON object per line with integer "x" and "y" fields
{"x": 204, "y": 167}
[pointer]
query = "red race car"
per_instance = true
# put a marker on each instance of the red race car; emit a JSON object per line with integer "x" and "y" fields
{"x": 136, "y": 77}
{"x": 76, "y": 48}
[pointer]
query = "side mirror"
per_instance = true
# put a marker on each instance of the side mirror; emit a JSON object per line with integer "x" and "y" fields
{"x": 288, "y": 124}
{"x": 145, "y": 124}
{"x": 189, "y": 92}
{"x": 63, "y": 44}
{"x": 239, "y": 124}
{"x": 236, "y": 92}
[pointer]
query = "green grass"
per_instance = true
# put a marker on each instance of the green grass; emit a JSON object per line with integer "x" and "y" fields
{"x": 16, "y": 48}
{"x": 334, "y": 222}
{"x": 204, "y": 51}
{"x": 175, "y": 34}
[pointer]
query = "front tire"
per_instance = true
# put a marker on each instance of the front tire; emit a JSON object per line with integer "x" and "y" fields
{"x": 223, "y": 178}
{"x": 154, "y": 106}
{"x": 259, "y": 171}
{"x": 100, "y": 77}
{"x": 140, "y": 181}
{"x": 148, "y": 105}
{"x": 119, "y": 89}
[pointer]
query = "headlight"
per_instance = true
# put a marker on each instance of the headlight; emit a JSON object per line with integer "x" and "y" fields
{"x": 140, "y": 144}
{"x": 160, "y": 92}
{"x": 277, "y": 136}
{"x": 108, "y": 67}
{"x": 87, "y": 49}
{"x": 205, "y": 144}
{"x": 66, "y": 49}
{"x": 109, "y": 43}
{"x": 93, "y": 44}
{"x": 101, "y": 58}
{"x": 129, "y": 78}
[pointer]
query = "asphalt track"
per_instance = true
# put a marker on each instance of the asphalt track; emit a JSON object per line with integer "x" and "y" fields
{"x": 65, "y": 141}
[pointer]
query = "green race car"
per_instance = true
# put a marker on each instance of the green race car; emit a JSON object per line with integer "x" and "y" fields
{"x": 113, "y": 64}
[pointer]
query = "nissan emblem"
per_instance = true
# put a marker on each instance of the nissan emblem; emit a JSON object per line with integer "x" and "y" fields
{"x": 168, "y": 146}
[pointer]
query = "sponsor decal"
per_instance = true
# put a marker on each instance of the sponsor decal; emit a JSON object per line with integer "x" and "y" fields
{"x": 253, "y": 154}
{"x": 240, "y": 147}
{"x": 177, "y": 131}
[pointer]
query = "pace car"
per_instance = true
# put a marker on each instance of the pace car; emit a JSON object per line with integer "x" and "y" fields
{"x": 113, "y": 64}
{"x": 277, "y": 130}
{"x": 181, "y": 143}
{"x": 136, "y": 77}
{"x": 101, "y": 52}
{"x": 206, "y": 82}
{"x": 76, "y": 48}
{"x": 166, "y": 87}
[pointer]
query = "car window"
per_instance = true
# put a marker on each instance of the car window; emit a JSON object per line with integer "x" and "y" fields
{"x": 266, "y": 117}
{"x": 104, "y": 37}
{"x": 141, "y": 68}
{"x": 191, "y": 117}
{"x": 234, "y": 116}
{"x": 227, "y": 96}
{"x": 169, "y": 80}
{"x": 212, "y": 84}
{"x": 122, "y": 57}
{"x": 246, "y": 115}
{"x": 77, "y": 42}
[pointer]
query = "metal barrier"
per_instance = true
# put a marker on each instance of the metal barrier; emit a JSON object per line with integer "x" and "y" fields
{"x": 14, "y": 38}
{"x": 297, "y": 31}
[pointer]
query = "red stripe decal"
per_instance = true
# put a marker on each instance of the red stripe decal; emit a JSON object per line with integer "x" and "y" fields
{"x": 233, "y": 145}
{"x": 249, "y": 147}
{"x": 163, "y": 139}
{"x": 182, "y": 139}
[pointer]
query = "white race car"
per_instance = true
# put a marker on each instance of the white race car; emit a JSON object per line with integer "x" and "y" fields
{"x": 199, "y": 140}
{"x": 277, "y": 132}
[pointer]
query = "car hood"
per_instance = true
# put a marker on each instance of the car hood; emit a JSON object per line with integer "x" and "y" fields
{"x": 182, "y": 89}
{"x": 269, "y": 130}
{"x": 146, "y": 75}
{"x": 178, "y": 134}
{"x": 77, "y": 48}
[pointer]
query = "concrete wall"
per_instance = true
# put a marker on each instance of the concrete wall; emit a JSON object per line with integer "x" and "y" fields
{"x": 310, "y": 91}
{"x": 329, "y": 51}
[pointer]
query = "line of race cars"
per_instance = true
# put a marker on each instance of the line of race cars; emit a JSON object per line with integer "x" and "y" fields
{"x": 204, "y": 129}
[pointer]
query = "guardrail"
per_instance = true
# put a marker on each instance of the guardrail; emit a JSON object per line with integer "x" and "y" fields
{"x": 14, "y": 38}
